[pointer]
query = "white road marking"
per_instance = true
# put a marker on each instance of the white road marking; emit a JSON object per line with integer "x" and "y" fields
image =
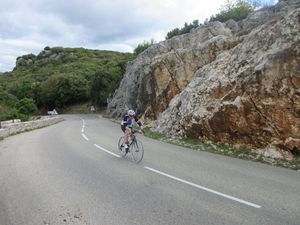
{"x": 83, "y": 122}
{"x": 109, "y": 152}
{"x": 85, "y": 137}
{"x": 83, "y": 125}
{"x": 176, "y": 178}
{"x": 204, "y": 188}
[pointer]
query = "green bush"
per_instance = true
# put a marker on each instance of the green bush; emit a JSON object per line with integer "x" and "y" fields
{"x": 142, "y": 47}
{"x": 22, "y": 88}
{"x": 9, "y": 115}
{"x": 103, "y": 84}
{"x": 63, "y": 90}
{"x": 29, "y": 56}
{"x": 23, "y": 110}
{"x": 7, "y": 98}
{"x": 234, "y": 9}
{"x": 27, "y": 106}
{"x": 185, "y": 29}
{"x": 23, "y": 117}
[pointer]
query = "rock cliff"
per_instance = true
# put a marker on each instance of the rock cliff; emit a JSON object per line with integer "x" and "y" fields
{"x": 236, "y": 83}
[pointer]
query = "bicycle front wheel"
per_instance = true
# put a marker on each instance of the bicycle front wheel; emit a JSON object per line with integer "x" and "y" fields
{"x": 137, "y": 151}
{"x": 121, "y": 146}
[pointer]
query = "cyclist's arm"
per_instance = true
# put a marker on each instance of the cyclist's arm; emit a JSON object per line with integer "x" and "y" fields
{"x": 138, "y": 122}
{"x": 124, "y": 121}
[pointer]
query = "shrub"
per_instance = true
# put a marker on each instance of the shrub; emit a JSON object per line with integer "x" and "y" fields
{"x": 234, "y": 9}
{"x": 103, "y": 84}
{"x": 62, "y": 90}
{"x": 142, "y": 47}
{"x": 186, "y": 29}
{"x": 27, "y": 106}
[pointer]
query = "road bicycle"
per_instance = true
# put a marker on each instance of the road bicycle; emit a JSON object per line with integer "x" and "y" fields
{"x": 136, "y": 149}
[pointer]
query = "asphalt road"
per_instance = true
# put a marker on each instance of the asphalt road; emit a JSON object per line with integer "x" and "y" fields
{"x": 70, "y": 173}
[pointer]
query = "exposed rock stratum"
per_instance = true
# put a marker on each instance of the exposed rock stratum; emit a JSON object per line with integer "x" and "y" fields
{"x": 236, "y": 83}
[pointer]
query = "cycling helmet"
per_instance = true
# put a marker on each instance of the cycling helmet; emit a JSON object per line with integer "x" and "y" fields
{"x": 131, "y": 112}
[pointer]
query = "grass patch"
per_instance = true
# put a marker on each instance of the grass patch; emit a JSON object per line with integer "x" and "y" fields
{"x": 151, "y": 134}
{"x": 240, "y": 152}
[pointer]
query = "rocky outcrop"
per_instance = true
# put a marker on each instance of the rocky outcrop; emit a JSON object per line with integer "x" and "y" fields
{"x": 45, "y": 56}
{"x": 161, "y": 72}
{"x": 236, "y": 83}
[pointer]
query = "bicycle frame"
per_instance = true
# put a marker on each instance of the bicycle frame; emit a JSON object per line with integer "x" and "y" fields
{"x": 135, "y": 148}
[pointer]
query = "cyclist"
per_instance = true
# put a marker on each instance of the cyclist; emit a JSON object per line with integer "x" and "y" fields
{"x": 126, "y": 125}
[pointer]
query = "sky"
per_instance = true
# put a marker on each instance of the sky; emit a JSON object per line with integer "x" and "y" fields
{"x": 27, "y": 26}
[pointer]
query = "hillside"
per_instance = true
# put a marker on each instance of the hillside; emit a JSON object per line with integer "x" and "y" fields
{"x": 234, "y": 82}
{"x": 59, "y": 77}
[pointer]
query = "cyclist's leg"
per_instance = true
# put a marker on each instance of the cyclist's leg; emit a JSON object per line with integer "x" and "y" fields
{"x": 127, "y": 134}
{"x": 123, "y": 128}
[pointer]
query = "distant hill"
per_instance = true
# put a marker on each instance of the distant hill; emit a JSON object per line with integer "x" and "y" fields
{"x": 59, "y": 77}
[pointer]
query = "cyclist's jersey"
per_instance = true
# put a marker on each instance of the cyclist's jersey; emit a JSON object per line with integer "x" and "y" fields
{"x": 128, "y": 122}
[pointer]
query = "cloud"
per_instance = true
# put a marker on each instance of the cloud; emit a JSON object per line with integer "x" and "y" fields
{"x": 27, "y": 26}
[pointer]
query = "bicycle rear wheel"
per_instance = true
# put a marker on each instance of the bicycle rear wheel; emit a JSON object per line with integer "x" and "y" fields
{"x": 137, "y": 151}
{"x": 121, "y": 146}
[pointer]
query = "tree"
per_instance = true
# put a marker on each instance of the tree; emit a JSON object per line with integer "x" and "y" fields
{"x": 142, "y": 47}
{"x": 22, "y": 109}
{"x": 71, "y": 89}
{"x": 62, "y": 90}
{"x": 172, "y": 33}
{"x": 103, "y": 85}
{"x": 6, "y": 98}
{"x": 22, "y": 88}
{"x": 27, "y": 106}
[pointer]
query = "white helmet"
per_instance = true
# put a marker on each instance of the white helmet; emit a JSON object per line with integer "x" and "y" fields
{"x": 131, "y": 112}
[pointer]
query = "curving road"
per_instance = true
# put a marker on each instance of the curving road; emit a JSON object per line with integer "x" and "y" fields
{"x": 70, "y": 173}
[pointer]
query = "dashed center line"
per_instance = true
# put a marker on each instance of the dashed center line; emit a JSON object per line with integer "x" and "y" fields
{"x": 85, "y": 137}
{"x": 83, "y": 122}
{"x": 109, "y": 152}
{"x": 176, "y": 178}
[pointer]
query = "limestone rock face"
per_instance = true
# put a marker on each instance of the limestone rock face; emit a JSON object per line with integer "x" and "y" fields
{"x": 236, "y": 83}
{"x": 164, "y": 70}
{"x": 248, "y": 95}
